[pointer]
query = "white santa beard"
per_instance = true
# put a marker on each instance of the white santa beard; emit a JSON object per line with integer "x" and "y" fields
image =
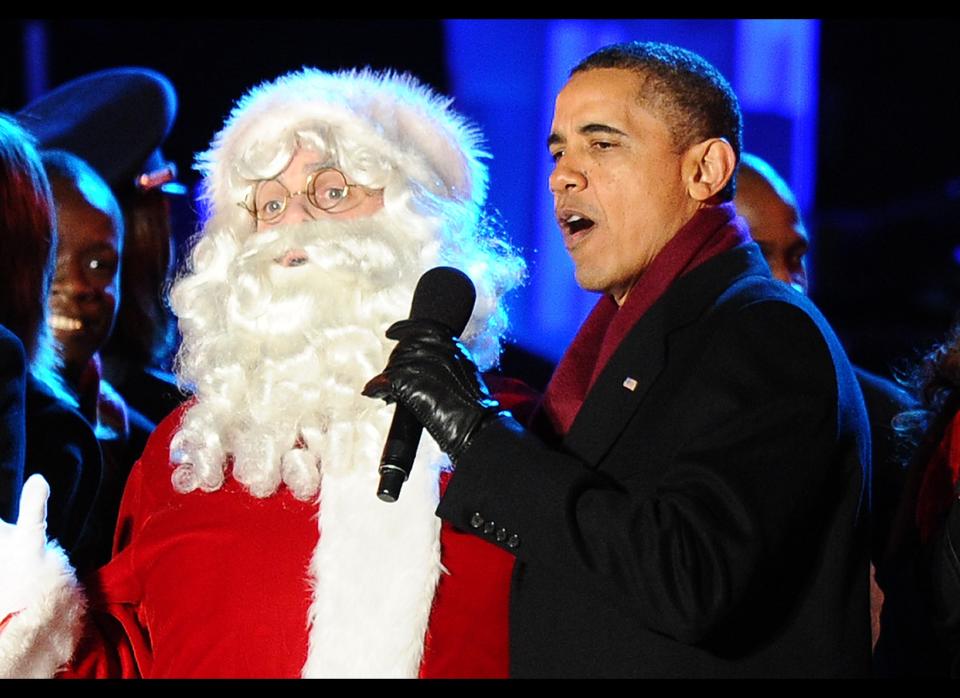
{"x": 279, "y": 356}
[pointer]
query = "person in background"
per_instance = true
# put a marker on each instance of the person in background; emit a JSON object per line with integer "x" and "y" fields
{"x": 925, "y": 534}
{"x": 767, "y": 203}
{"x": 84, "y": 296}
{"x": 137, "y": 108}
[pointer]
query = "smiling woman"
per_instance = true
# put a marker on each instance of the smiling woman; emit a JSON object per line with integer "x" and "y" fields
{"x": 86, "y": 286}
{"x": 84, "y": 297}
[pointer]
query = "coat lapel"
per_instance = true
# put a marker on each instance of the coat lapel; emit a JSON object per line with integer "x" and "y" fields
{"x": 626, "y": 379}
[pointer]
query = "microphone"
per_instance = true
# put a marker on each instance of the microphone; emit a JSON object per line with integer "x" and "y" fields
{"x": 446, "y": 296}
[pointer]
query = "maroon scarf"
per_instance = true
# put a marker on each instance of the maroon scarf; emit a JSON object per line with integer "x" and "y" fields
{"x": 711, "y": 231}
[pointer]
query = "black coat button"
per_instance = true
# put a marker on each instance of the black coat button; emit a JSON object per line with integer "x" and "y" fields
{"x": 476, "y": 521}
{"x": 513, "y": 542}
{"x": 501, "y": 535}
{"x": 489, "y": 527}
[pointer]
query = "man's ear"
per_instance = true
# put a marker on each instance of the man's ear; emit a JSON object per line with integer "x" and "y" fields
{"x": 707, "y": 167}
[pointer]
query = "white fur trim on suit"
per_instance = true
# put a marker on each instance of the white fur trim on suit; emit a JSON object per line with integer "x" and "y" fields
{"x": 41, "y": 637}
{"x": 376, "y": 569}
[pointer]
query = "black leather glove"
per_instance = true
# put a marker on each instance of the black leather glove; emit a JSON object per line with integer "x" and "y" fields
{"x": 433, "y": 375}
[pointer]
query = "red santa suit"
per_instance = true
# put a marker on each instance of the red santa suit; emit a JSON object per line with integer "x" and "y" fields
{"x": 217, "y": 584}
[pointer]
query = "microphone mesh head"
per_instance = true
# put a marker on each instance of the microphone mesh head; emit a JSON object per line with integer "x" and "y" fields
{"x": 445, "y": 295}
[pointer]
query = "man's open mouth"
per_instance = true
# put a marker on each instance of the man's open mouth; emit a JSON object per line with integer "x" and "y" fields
{"x": 577, "y": 223}
{"x": 575, "y": 226}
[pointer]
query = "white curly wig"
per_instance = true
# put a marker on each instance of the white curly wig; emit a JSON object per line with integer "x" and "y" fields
{"x": 384, "y": 131}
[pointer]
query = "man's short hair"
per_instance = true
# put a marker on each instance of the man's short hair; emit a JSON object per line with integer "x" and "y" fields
{"x": 682, "y": 88}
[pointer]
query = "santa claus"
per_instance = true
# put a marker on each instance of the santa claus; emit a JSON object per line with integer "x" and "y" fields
{"x": 250, "y": 540}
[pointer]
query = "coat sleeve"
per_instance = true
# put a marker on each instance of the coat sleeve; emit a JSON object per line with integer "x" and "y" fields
{"x": 945, "y": 580}
{"x": 754, "y": 466}
{"x": 71, "y": 463}
{"x": 12, "y": 427}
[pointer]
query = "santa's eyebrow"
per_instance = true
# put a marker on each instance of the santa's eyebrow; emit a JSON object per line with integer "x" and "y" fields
{"x": 311, "y": 167}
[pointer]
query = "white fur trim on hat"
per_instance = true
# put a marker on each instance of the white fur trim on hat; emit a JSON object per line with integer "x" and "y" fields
{"x": 407, "y": 124}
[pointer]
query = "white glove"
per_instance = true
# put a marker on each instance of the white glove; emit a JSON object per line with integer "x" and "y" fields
{"x": 41, "y": 605}
{"x": 23, "y": 547}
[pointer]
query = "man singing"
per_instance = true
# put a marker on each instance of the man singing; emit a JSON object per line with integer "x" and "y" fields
{"x": 691, "y": 501}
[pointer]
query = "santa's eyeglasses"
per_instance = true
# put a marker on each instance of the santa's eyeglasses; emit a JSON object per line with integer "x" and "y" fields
{"x": 326, "y": 190}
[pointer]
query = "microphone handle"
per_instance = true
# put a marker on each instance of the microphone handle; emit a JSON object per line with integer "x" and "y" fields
{"x": 399, "y": 451}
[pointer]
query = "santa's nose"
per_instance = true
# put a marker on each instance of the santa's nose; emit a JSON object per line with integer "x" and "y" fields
{"x": 293, "y": 258}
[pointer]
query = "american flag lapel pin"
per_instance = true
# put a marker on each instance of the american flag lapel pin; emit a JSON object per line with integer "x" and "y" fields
{"x": 630, "y": 383}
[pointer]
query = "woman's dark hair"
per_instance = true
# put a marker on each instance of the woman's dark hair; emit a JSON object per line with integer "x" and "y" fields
{"x": 28, "y": 244}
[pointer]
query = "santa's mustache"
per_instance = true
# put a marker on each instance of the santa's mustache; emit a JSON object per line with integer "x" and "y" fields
{"x": 345, "y": 270}
{"x": 368, "y": 246}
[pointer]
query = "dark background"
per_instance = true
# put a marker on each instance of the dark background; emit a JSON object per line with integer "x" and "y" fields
{"x": 887, "y": 220}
